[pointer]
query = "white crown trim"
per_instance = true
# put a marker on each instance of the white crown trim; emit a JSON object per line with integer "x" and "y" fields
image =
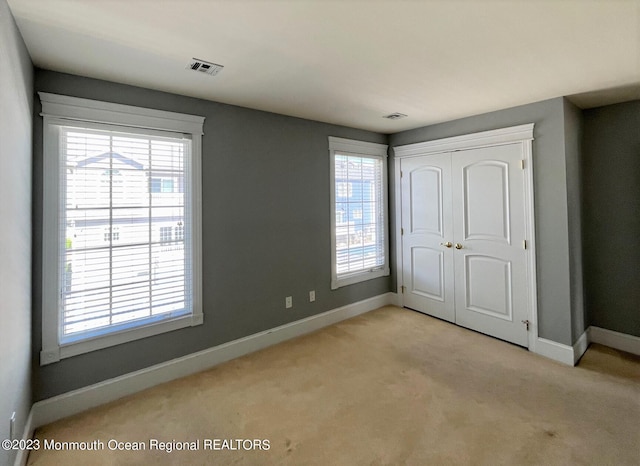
{"x": 468, "y": 141}
{"x": 75, "y": 108}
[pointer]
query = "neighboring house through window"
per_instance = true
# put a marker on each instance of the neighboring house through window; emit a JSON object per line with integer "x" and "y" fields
{"x": 166, "y": 234}
{"x": 179, "y": 232}
{"x": 359, "y": 235}
{"x": 111, "y": 202}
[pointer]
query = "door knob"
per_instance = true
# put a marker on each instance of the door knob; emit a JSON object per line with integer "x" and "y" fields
{"x": 458, "y": 246}
{"x": 447, "y": 244}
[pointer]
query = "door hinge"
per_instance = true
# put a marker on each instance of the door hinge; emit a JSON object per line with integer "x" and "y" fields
{"x": 400, "y": 173}
{"x": 401, "y": 231}
{"x": 522, "y": 164}
{"x": 402, "y": 289}
{"x": 524, "y": 244}
{"x": 526, "y": 322}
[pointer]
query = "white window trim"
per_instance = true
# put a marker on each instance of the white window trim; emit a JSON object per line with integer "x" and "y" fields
{"x": 59, "y": 110}
{"x": 361, "y": 149}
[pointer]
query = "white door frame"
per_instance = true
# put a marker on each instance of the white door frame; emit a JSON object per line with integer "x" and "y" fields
{"x": 522, "y": 134}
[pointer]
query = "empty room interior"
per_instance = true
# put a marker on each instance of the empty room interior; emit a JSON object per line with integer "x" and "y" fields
{"x": 320, "y": 232}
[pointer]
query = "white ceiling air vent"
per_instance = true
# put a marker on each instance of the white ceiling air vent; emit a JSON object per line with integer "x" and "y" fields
{"x": 204, "y": 66}
{"x": 395, "y": 116}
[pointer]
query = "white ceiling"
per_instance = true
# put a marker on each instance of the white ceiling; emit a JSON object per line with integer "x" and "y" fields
{"x": 349, "y": 62}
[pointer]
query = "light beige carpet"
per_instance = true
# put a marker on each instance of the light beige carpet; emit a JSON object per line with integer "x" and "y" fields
{"x": 391, "y": 387}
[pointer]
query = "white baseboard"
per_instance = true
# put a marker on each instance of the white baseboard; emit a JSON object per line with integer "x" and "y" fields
{"x": 617, "y": 340}
{"x": 23, "y": 455}
{"x": 556, "y": 351}
{"x": 67, "y": 404}
{"x": 395, "y": 299}
{"x": 580, "y": 346}
{"x": 570, "y": 355}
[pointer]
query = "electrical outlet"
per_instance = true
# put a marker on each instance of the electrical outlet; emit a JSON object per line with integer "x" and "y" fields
{"x": 288, "y": 302}
{"x": 312, "y": 296}
{"x": 12, "y": 426}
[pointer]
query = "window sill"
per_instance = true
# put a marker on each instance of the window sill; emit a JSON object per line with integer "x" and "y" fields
{"x": 51, "y": 355}
{"x": 358, "y": 277}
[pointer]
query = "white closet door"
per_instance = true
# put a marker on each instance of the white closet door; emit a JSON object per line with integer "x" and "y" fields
{"x": 427, "y": 225}
{"x": 491, "y": 290}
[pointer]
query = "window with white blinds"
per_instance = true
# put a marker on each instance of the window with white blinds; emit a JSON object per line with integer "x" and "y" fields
{"x": 122, "y": 265}
{"x": 121, "y": 246}
{"x": 359, "y": 211}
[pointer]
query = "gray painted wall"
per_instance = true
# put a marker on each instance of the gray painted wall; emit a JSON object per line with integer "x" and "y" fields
{"x": 16, "y": 104}
{"x": 266, "y": 229}
{"x": 573, "y": 156}
{"x": 611, "y": 173}
{"x": 550, "y": 183}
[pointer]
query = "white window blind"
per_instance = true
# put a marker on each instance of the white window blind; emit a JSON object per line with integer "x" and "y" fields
{"x": 359, "y": 232}
{"x": 121, "y": 243}
{"x": 360, "y": 236}
{"x": 121, "y": 264}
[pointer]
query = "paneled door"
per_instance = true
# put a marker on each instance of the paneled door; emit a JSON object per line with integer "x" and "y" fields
{"x": 463, "y": 231}
{"x": 489, "y": 225}
{"x": 427, "y": 224}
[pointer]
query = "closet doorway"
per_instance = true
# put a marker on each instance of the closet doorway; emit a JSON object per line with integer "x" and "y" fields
{"x": 466, "y": 231}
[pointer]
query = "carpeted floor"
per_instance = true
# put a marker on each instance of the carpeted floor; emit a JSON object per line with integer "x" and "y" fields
{"x": 390, "y": 387}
